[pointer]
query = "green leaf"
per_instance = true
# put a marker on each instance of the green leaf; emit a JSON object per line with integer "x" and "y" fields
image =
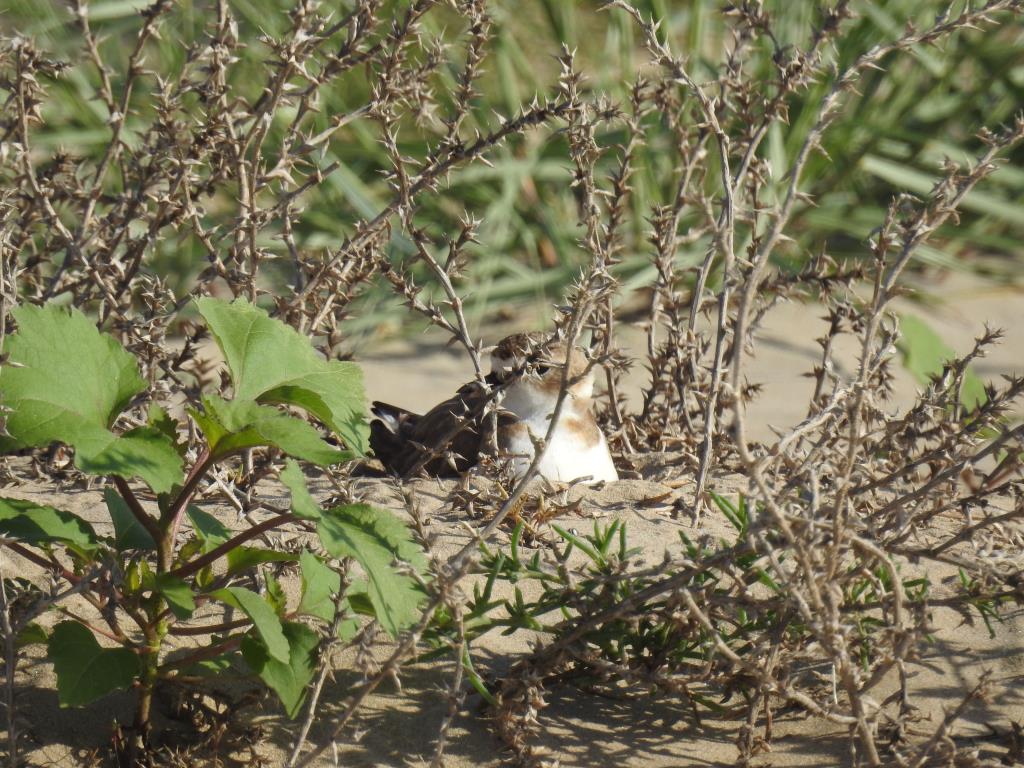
{"x": 267, "y": 625}
{"x": 229, "y": 663}
{"x": 375, "y": 538}
{"x": 924, "y": 354}
{"x": 303, "y": 504}
{"x": 276, "y": 595}
{"x": 32, "y": 634}
{"x": 143, "y": 452}
{"x": 85, "y": 671}
{"x": 37, "y": 524}
{"x": 209, "y": 530}
{"x": 358, "y": 599}
{"x": 68, "y": 384}
{"x": 243, "y": 558}
{"x": 177, "y": 594}
{"x": 160, "y": 420}
{"x": 288, "y": 679}
{"x": 923, "y": 184}
{"x": 319, "y": 585}
{"x": 67, "y": 364}
{"x": 232, "y": 425}
{"x": 129, "y": 533}
{"x": 273, "y": 363}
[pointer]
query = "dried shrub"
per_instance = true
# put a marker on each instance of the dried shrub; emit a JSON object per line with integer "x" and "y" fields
{"x": 222, "y": 153}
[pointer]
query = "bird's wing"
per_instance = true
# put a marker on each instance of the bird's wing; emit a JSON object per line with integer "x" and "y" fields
{"x": 389, "y": 432}
{"x": 445, "y": 441}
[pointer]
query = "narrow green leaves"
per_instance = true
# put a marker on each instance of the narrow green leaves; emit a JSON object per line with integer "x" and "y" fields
{"x": 376, "y": 538}
{"x": 210, "y": 531}
{"x": 68, "y": 383}
{"x": 272, "y": 363}
{"x": 241, "y": 559}
{"x": 86, "y": 671}
{"x": 37, "y": 524}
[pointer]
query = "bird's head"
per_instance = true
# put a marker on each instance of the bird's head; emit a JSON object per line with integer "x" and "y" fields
{"x": 538, "y": 360}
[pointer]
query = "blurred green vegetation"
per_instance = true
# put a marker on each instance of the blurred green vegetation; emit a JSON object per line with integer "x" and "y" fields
{"x": 893, "y": 135}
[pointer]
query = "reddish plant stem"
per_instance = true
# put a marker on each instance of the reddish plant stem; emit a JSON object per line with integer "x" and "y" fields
{"x": 49, "y": 565}
{"x": 173, "y": 515}
{"x": 170, "y": 521}
{"x": 214, "y": 554}
{"x": 209, "y": 629}
{"x": 203, "y": 653}
{"x": 136, "y": 508}
{"x": 71, "y": 578}
{"x": 118, "y": 637}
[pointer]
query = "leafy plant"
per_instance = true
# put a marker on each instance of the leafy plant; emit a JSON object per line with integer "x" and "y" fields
{"x": 712, "y": 160}
{"x": 691, "y": 630}
{"x": 67, "y": 382}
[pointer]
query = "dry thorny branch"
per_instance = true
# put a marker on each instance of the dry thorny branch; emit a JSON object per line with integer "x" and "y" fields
{"x": 833, "y": 509}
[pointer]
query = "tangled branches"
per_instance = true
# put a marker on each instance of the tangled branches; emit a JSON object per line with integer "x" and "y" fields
{"x": 852, "y": 528}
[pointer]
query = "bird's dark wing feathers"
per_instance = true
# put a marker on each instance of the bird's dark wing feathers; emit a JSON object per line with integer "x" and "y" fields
{"x": 444, "y": 442}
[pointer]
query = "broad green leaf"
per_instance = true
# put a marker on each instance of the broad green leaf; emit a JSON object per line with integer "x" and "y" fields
{"x": 315, "y": 393}
{"x": 209, "y": 530}
{"x": 68, "y": 365}
{"x": 319, "y": 585}
{"x": 288, "y": 679}
{"x": 232, "y": 425}
{"x": 69, "y": 383}
{"x": 86, "y": 671}
{"x": 268, "y": 626}
{"x": 303, "y": 504}
{"x": 143, "y": 452}
{"x": 924, "y": 353}
{"x": 36, "y": 524}
{"x": 243, "y": 558}
{"x": 177, "y": 594}
{"x": 273, "y": 363}
{"x": 376, "y": 538}
{"x": 129, "y": 533}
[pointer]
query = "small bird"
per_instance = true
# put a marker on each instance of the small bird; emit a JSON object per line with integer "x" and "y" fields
{"x": 525, "y": 379}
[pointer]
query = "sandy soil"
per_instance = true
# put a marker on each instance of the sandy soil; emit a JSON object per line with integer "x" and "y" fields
{"x": 580, "y": 729}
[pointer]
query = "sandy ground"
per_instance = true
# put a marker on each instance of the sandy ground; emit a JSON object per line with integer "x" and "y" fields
{"x": 581, "y": 729}
{"x": 397, "y": 727}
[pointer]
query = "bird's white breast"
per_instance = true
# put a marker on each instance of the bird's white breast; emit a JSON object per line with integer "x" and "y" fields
{"x": 570, "y": 455}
